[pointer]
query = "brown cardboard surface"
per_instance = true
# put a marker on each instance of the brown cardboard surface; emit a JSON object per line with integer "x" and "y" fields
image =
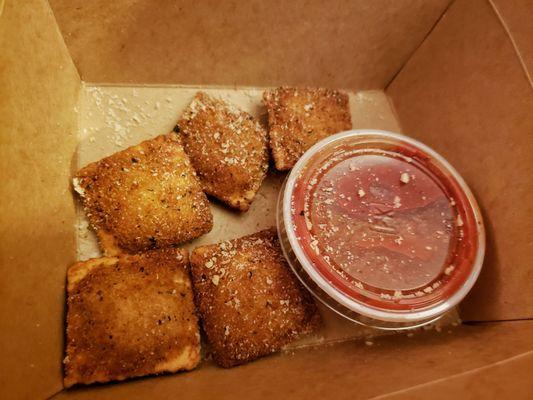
{"x": 510, "y": 378}
{"x": 465, "y": 93}
{"x": 516, "y": 16}
{"x": 460, "y": 93}
{"x": 354, "y": 44}
{"x": 39, "y": 89}
{"x": 346, "y": 371}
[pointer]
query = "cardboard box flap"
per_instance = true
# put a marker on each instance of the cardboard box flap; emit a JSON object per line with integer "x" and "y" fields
{"x": 509, "y": 379}
{"x": 345, "y": 371}
{"x": 466, "y": 94}
{"x": 38, "y": 123}
{"x": 516, "y": 16}
{"x": 353, "y": 45}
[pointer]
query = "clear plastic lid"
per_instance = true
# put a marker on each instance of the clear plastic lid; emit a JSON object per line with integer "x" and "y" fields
{"x": 381, "y": 228}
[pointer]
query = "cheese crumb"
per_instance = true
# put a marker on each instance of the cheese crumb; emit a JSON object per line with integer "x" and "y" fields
{"x": 77, "y": 187}
{"x": 449, "y": 270}
{"x": 399, "y": 240}
{"x": 459, "y": 220}
{"x": 404, "y": 177}
{"x": 314, "y": 246}
{"x": 397, "y": 202}
{"x": 215, "y": 279}
{"x": 361, "y": 193}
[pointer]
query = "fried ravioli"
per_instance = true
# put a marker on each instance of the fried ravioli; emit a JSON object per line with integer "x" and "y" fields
{"x": 249, "y": 301}
{"x": 227, "y": 147}
{"x": 298, "y": 118}
{"x": 129, "y": 316}
{"x": 144, "y": 197}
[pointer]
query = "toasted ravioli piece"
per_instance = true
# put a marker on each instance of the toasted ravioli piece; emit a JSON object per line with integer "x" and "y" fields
{"x": 144, "y": 197}
{"x": 249, "y": 301}
{"x": 298, "y": 118}
{"x": 227, "y": 147}
{"x": 129, "y": 316}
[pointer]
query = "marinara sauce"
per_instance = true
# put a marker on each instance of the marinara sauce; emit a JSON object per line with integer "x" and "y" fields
{"x": 386, "y": 223}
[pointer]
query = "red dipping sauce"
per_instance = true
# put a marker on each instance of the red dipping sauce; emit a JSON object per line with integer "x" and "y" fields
{"x": 381, "y": 226}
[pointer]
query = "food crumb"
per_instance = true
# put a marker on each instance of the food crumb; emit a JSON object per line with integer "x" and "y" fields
{"x": 369, "y": 343}
{"x": 449, "y": 270}
{"x": 404, "y": 178}
{"x": 77, "y": 187}
{"x": 397, "y": 202}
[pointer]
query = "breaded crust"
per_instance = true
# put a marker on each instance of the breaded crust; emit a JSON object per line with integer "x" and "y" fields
{"x": 227, "y": 147}
{"x": 298, "y": 118}
{"x": 130, "y": 315}
{"x": 249, "y": 301}
{"x": 144, "y": 197}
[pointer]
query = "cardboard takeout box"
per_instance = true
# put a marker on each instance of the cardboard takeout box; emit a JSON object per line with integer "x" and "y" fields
{"x": 456, "y": 75}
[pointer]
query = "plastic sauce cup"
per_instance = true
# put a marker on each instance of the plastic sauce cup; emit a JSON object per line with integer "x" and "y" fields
{"x": 381, "y": 229}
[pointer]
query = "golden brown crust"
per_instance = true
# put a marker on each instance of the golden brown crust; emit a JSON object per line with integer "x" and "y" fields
{"x": 249, "y": 301}
{"x": 227, "y": 147}
{"x": 130, "y": 315}
{"x": 144, "y": 197}
{"x": 298, "y": 118}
